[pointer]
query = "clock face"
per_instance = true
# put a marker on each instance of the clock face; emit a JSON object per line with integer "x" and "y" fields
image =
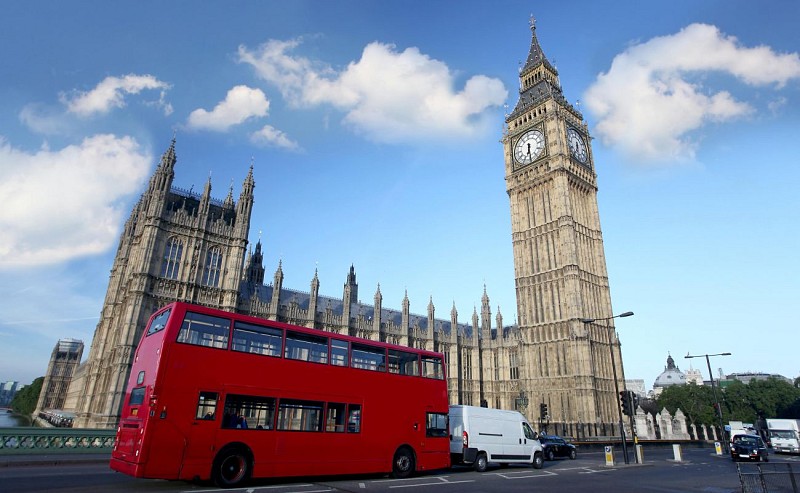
{"x": 576, "y": 145}
{"x": 529, "y": 147}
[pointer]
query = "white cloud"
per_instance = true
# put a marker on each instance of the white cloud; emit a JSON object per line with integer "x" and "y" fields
{"x": 272, "y": 137}
{"x": 649, "y": 103}
{"x": 110, "y": 93}
{"x": 240, "y": 104}
{"x": 387, "y": 95}
{"x": 59, "y": 205}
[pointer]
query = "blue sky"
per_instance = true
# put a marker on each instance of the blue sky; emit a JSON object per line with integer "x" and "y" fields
{"x": 374, "y": 128}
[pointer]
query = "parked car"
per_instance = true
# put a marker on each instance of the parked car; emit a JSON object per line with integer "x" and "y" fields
{"x": 748, "y": 447}
{"x": 555, "y": 446}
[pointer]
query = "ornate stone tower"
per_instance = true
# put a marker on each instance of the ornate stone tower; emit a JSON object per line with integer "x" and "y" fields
{"x": 64, "y": 361}
{"x": 177, "y": 245}
{"x": 559, "y": 263}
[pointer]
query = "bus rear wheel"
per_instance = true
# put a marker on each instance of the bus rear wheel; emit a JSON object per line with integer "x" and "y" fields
{"x": 232, "y": 467}
{"x": 403, "y": 464}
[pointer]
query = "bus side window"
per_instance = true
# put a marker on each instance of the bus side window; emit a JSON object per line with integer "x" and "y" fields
{"x": 403, "y": 363}
{"x": 432, "y": 367}
{"x": 306, "y": 347}
{"x": 249, "y": 412}
{"x": 339, "y": 353}
{"x": 249, "y": 338}
{"x": 368, "y": 357}
{"x": 354, "y": 419}
{"x": 436, "y": 425}
{"x": 297, "y": 415}
{"x": 335, "y": 419}
{"x": 204, "y": 330}
{"x": 207, "y": 405}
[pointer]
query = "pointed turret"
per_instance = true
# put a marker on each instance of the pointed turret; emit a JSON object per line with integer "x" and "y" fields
{"x": 376, "y": 318}
{"x": 431, "y": 314}
{"x": 312, "y": 302}
{"x": 161, "y": 182}
{"x": 351, "y": 287}
{"x": 255, "y": 266}
{"x": 277, "y": 285}
{"x": 228, "y": 204}
{"x": 245, "y": 206}
{"x": 536, "y": 55}
{"x": 538, "y": 79}
{"x": 205, "y": 199}
{"x": 486, "y": 316}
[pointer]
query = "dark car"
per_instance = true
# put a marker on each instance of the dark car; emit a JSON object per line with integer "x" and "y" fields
{"x": 555, "y": 446}
{"x": 748, "y": 447}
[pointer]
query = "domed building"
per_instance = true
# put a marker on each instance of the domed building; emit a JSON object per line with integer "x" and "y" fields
{"x": 670, "y": 376}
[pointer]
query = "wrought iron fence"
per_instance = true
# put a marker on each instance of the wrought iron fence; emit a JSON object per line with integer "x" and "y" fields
{"x": 768, "y": 478}
{"x": 32, "y": 440}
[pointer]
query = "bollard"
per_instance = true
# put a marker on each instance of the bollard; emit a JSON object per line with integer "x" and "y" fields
{"x": 718, "y": 448}
{"x": 609, "y": 455}
{"x": 639, "y": 454}
{"x": 676, "y": 450}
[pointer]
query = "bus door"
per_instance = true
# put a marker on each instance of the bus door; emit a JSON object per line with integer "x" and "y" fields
{"x": 201, "y": 434}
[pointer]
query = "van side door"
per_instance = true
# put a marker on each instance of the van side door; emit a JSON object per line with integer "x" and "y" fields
{"x": 519, "y": 445}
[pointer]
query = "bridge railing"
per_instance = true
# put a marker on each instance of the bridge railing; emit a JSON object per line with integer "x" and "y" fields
{"x": 34, "y": 440}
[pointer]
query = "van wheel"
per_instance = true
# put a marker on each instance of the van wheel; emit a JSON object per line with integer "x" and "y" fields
{"x": 481, "y": 462}
{"x": 403, "y": 463}
{"x": 573, "y": 455}
{"x": 538, "y": 460}
{"x": 232, "y": 467}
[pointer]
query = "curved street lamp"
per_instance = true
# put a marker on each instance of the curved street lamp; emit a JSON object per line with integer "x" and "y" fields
{"x": 614, "y": 370}
{"x": 718, "y": 408}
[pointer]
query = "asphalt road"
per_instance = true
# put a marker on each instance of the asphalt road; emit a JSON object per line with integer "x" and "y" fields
{"x": 699, "y": 471}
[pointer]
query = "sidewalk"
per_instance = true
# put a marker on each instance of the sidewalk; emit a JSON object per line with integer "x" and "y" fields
{"x": 24, "y": 460}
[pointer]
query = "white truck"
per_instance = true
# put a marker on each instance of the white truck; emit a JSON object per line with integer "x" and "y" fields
{"x": 784, "y": 435}
{"x": 738, "y": 428}
{"x": 481, "y": 435}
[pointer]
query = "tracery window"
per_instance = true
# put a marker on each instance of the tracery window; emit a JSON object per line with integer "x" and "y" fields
{"x": 212, "y": 268}
{"x": 172, "y": 258}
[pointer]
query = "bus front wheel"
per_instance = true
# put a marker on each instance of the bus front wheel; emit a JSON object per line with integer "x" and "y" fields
{"x": 232, "y": 467}
{"x": 403, "y": 464}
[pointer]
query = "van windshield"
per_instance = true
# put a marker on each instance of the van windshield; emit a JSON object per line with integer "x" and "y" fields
{"x": 529, "y": 433}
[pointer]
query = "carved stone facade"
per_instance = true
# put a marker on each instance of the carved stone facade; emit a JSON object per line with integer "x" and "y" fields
{"x": 176, "y": 245}
{"x": 179, "y": 245}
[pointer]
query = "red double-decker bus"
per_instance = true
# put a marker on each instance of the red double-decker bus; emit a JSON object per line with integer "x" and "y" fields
{"x": 228, "y": 397}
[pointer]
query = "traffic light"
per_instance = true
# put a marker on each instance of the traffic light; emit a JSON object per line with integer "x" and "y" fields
{"x": 634, "y": 402}
{"x": 625, "y": 400}
{"x": 543, "y": 410}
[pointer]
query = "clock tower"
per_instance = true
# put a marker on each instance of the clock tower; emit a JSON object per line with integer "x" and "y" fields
{"x": 559, "y": 263}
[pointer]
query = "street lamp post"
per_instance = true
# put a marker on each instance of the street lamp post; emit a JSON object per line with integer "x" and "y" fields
{"x": 616, "y": 383}
{"x": 718, "y": 406}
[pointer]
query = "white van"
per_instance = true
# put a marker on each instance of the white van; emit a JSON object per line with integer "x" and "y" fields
{"x": 481, "y": 435}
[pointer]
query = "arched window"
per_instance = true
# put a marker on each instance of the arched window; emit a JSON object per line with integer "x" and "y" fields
{"x": 212, "y": 267}
{"x": 172, "y": 258}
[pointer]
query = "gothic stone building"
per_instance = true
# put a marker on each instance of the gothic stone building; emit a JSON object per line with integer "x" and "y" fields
{"x": 180, "y": 245}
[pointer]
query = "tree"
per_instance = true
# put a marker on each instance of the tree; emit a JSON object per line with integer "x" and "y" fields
{"x": 771, "y": 398}
{"x": 696, "y": 402}
{"x": 25, "y": 400}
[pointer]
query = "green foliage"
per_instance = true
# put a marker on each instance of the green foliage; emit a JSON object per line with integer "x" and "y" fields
{"x": 25, "y": 400}
{"x": 771, "y": 398}
{"x": 696, "y": 402}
